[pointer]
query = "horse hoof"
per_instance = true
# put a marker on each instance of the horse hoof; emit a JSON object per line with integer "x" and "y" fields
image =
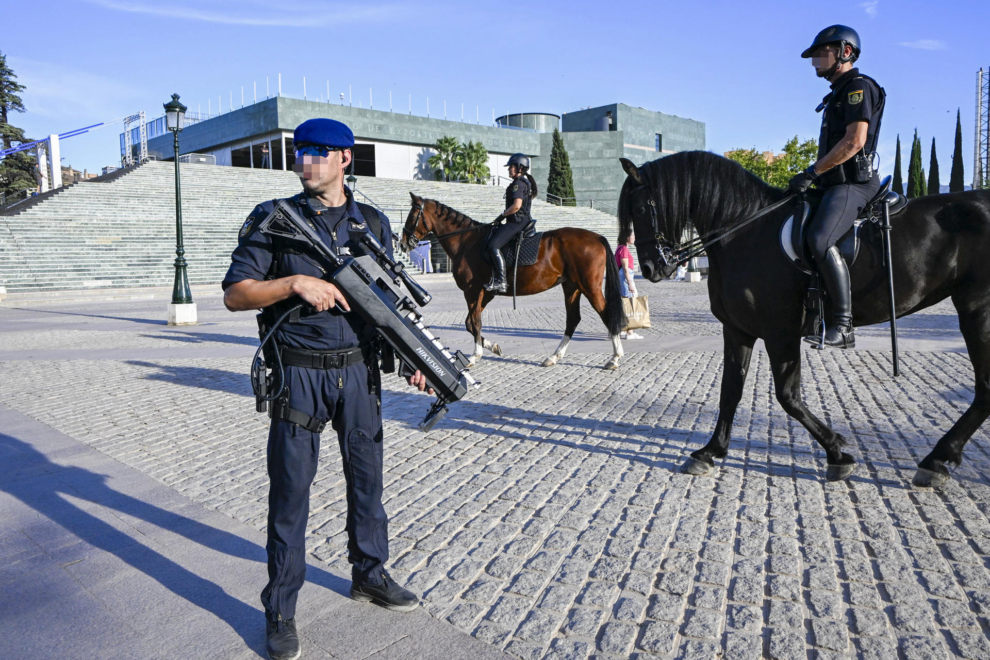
{"x": 473, "y": 361}
{"x": 697, "y": 468}
{"x": 928, "y": 478}
{"x": 496, "y": 350}
{"x": 839, "y": 472}
{"x": 611, "y": 365}
{"x": 549, "y": 362}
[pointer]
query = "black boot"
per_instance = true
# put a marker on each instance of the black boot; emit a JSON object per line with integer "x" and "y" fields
{"x": 387, "y": 594}
{"x": 283, "y": 641}
{"x": 497, "y": 283}
{"x": 835, "y": 275}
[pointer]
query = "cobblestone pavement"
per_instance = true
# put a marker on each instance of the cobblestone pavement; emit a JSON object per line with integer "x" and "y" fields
{"x": 545, "y": 515}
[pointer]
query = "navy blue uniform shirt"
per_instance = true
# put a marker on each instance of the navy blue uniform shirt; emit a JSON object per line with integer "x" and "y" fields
{"x": 853, "y": 98}
{"x": 341, "y": 229}
{"x": 519, "y": 189}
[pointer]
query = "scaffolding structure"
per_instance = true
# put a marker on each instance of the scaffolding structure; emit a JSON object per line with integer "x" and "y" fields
{"x": 128, "y": 155}
{"x": 981, "y": 143}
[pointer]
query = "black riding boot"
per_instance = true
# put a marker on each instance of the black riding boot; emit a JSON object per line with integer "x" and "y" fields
{"x": 497, "y": 283}
{"x": 835, "y": 275}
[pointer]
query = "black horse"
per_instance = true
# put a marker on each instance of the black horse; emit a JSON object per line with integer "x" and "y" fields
{"x": 941, "y": 248}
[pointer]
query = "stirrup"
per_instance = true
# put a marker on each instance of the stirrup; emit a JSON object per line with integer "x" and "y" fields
{"x": 495, "y": 286}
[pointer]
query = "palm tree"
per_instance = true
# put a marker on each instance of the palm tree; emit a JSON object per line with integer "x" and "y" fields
{"x": 471, "y": 162}
{"x": 442, "y": 161}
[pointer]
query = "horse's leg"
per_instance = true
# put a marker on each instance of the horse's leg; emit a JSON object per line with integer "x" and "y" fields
{"x": 487, "y": 297}
{"x": 738, "y": 351}
{"x": 572, "y": 303}
{"x": 974, "y": 322}
{"x": 785, "y": 363}
{"x": 592, "y": 290}
{"x": 476, "y": 304}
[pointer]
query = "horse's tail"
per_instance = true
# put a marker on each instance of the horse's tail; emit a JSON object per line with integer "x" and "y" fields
{"x": 614, "y": 316}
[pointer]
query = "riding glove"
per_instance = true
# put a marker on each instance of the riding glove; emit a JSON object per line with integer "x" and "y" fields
{"x": 802, "y": 181}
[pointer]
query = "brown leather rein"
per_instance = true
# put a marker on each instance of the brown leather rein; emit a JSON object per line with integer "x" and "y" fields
{"x": 440, "y": 237}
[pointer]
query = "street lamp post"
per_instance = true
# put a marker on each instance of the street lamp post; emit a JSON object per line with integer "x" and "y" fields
{"x": 693, "y": 273}
{"x": 182, "y": 310}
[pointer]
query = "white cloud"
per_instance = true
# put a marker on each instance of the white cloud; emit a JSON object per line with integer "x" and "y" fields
{"x": 257, "y": 12}
{"x": 871, "y": 8}
{"x": 924, "y": 44}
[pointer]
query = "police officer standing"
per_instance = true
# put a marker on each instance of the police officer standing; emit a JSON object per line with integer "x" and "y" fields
{"x": 515, "y": 218}
{"x": 844, "y": 169}
{"x": 331, "y": 377}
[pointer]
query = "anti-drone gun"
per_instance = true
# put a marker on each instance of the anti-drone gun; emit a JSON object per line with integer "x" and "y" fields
{"x": 370, "y": 285}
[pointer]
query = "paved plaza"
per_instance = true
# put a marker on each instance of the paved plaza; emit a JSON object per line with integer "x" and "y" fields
{"x": 545, "y": 516}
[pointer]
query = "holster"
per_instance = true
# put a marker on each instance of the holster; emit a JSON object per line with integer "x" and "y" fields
{"x": 281, "y": 411}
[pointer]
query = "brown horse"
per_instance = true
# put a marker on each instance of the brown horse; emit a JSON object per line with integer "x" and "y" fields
{"x": 579, "y": 260}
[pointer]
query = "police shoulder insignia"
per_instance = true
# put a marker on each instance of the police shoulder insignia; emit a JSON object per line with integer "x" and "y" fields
{"x": 856, "y": 97}
{"x": 515, "y": 187}
{"x": 247, "y": 226}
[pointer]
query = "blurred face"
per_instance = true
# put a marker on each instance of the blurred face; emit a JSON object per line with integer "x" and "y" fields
{"x": 632, "y": 237}
{"x": 321, "y": 174}
{"x": 825, "y": 57}
{"x": 513, "y": 171}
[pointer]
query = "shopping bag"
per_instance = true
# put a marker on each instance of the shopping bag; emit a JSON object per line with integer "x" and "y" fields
{"x": 637, "y": 312}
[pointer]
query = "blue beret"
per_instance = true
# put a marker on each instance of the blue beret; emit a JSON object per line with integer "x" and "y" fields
{"x": 325, "y": 132}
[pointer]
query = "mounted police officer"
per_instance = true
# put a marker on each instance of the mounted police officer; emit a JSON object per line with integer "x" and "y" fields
{"x": 844, "y": 168}
{"x": 332, "y": 377}
{"x": 513, "y": 220}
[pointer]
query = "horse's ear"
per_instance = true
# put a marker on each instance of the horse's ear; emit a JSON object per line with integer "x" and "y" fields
{"x": 631, "y": 169}
{"x": 416, "y": 200}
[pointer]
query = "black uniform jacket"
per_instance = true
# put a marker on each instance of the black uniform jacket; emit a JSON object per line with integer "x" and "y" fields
{"x": 253, "y": 258}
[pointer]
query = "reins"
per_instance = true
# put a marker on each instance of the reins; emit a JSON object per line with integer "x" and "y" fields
{"x": 440, "y": 237}
{"x": 697, "y": 246}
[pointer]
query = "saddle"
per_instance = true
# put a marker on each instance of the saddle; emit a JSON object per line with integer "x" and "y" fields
{"x": 794, "y": 232}
{"x": 526, "y": 246}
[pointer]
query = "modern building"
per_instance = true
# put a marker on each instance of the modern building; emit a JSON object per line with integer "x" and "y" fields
{"x": 397, "y": 145}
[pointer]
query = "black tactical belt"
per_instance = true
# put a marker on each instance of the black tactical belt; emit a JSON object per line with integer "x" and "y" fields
{"x": 281, "y": 410}
{"x": 295, "y": 357}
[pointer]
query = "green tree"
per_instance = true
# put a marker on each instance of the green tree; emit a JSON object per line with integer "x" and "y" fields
{"x": 956, "y": 183}
{"x": 915, "y": 183}
{"x": 922, "y": 184}
{"x": 16, "y": 170}
{"x": 898, "y": 184}
{"x": 933, "y": 182}
{"x": 471, "y": 163}
{"x": 560, "y": 182}
{"x": 442, "y": 162}
{"x": 777, "y": 171}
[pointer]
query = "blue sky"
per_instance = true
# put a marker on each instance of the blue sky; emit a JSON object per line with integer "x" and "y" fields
{"x": 733, "y": 65}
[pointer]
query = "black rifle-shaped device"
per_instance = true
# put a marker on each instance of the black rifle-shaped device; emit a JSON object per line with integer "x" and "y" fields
{"x": 370, "y": 285}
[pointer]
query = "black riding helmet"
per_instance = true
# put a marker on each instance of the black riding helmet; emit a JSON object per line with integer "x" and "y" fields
{"x": 836, "y": 34}
{"x": 522, "y": 160}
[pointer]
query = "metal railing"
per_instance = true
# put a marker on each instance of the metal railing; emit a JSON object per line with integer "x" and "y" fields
{"x": 14, "y": 198}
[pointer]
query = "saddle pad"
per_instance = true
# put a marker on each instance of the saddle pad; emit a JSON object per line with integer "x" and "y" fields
{"x": 528, "y": 253}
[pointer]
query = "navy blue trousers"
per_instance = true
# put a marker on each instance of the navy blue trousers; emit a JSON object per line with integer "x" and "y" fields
{"x": 838, "y": 210}
{"x": 347, "y": 398}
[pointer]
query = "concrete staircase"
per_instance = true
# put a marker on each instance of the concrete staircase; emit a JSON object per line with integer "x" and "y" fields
{"x": 121, "y": 233}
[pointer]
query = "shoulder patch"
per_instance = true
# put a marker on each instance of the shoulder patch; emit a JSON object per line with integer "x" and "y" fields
{"x": 855, "y": 97}
{"x": 515, "y": 187}
{"x": 247, "y": 226}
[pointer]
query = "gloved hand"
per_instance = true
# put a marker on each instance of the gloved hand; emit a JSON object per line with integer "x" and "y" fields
{"x": 800, "y": 182}
{"x": 499, "y": 220}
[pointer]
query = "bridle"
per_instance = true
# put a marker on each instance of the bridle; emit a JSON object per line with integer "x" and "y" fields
{"x": 674, "y": 254}
{"x": 419, "y": 217}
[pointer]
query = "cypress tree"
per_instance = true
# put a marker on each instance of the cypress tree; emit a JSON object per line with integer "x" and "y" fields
{"x": 922, "y": 184}
{"x": 933, "y": 182}
{"x": 898, "y": 184}
{"x": 914, "y": 182}
{"x": 16, "y": 170}
{"x": 560, "y": 181}
{"x": 956, "y": 183}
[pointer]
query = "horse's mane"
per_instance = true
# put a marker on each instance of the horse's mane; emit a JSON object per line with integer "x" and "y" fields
{"x": 452, "y": 215}
{"x": 699, "y": 186}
